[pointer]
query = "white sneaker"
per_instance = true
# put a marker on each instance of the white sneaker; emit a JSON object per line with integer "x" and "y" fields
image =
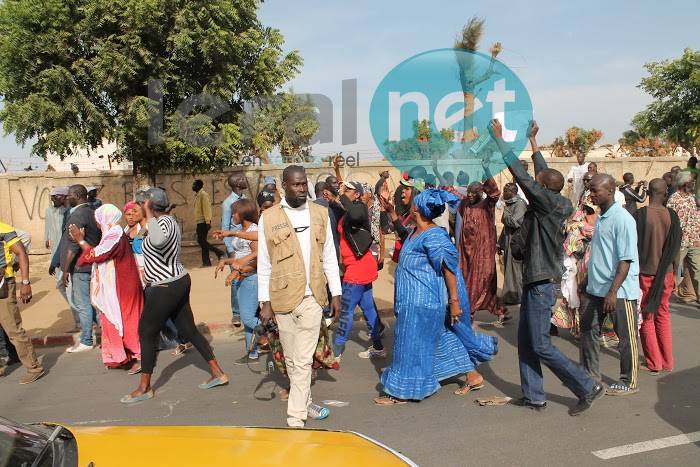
{"x": 79, "y": 347}
{"x": 317, "y": 412}
{"x": 371, "y": 352}
{"x": 295, "y": 423}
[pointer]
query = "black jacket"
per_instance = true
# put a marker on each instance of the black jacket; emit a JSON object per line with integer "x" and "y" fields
{"x": 334, "y": 224}
{"x": 83, "y": 218}
{"x": 542, "y": 233}
{"x": 356, "y": 228}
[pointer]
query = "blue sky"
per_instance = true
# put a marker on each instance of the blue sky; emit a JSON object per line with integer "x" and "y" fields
{"x": 581, "y": 61}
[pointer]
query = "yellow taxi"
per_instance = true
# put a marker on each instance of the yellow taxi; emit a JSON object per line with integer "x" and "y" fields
{"x": 55, "y": 445}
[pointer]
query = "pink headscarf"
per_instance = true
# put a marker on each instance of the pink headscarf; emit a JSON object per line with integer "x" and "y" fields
{"x": 129, "y": 206}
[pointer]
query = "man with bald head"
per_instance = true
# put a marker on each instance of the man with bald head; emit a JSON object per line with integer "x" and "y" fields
{"x": 613, "y": 287}
{"x": 540, "y": 245}
{"x": 476, "y": 244}
{"x": 659, "y": 233}
{"x": 238, "y": 184}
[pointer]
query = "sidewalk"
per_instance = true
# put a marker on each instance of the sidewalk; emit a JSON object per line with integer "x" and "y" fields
{"x": 48, "y": 318}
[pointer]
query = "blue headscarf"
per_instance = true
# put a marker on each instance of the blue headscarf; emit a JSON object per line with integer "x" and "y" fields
{"x": 431, "y": 202}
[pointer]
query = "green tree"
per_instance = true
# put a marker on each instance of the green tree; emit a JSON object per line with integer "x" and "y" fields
{"x": 284, "y": 121}
{"x": 674, "y": 114}
{"x": 637, "y": 144}
{"x": 425, "y": 144}
{"x": 575, "y": 141}
{"x": 75, "y": 73}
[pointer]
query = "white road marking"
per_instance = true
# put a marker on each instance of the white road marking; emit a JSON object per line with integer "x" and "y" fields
{"x": 171, "y": 407}
{"x": 645, "y": 446}
{"x": 94, "y": 422}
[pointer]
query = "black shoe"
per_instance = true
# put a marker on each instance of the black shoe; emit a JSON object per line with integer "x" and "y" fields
{"x": 586, "y": 403}
{"x": 522, "y": 402}
{"x": 236, "y": 321}
{"x": 553, "y": 330}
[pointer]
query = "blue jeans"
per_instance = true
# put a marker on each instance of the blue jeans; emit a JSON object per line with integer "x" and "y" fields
{"x": 66, "y": 294}
{"x": 535, "y": 347}
{"x": 235, "y": 310}
{"x": 246, "y": 292}
{"x": 80, "y": 297}
{"x": 353, "y": 295}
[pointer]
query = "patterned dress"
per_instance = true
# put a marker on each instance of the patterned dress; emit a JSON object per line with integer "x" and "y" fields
{"x": 426, "y": 348}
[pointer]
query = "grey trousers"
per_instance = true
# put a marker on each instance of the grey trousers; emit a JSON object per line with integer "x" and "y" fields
{"x": 625, "y": 323}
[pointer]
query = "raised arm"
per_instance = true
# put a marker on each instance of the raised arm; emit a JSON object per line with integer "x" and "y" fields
{"x": 640, "y": 194}
{"x": 490, "y": 186}
{"x": 336, "y": 167}
{"x": 437, "y": 173}
{"x": 390, "y": 209}
{"x": 537, "y": 195}
{"x": 88, "y": 255}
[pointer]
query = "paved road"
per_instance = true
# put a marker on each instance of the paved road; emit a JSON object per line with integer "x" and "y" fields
{"x": 443, "y": 430}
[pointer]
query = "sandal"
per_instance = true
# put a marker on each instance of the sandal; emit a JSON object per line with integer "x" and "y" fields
{"x": 494, "y": 401}
{"x": 467, "y": 388}
{"x": 218, "y": 381}
{"x": 619, "y": 389}
{"x": 135, "y": 369}
{"x": 284, "y": 394}
{"x": 181, "y": 349}
{"x": 388, "y": 400}
{"x": 129, "y": 399}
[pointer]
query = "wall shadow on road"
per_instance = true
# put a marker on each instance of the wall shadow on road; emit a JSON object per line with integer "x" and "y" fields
{"x": 509, "y": 334}
{"x": 687, "y": 310}
{"x": 190, "y": 358}
{"x": 277, "y": 381}
{"x": 360, "y": 335}
{"x": 63, "y": 324}
{"x": 679, "y": 400}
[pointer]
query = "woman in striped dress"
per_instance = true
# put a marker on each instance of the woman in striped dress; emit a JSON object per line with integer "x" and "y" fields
{"x": 433, "y": 337}
{"x": 167, "y": 296}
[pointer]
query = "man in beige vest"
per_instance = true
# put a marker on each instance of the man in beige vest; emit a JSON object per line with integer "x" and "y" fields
{"x": 296, "y": 259}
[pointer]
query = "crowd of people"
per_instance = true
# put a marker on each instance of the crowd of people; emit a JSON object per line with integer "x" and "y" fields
{"x": 300, "y": 263}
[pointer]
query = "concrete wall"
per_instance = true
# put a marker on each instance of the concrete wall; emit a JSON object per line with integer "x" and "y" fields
{"x": 25, "y": 196}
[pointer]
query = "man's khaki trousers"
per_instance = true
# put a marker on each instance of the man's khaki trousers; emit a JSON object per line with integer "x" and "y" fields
{"x": 299, "y": 331}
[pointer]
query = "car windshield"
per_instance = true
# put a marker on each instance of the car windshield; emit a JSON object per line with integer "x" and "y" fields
{"x": 21, "y": 444}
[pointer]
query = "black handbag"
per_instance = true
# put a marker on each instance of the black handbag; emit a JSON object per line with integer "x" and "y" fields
{"x": 4, "y": 289}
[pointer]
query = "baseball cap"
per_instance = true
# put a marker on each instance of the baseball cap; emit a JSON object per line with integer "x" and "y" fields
{"x": 91, "y": 188}
{"x": 159, "y": 198}
{"x": 417, "y": 183}
{"x": 269, "y": 180}
{"x": 59, "y": 191}
{"x": 140, "y": 196}
{"x": 265, "y": 196}
{"x": 357, "y": 186}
